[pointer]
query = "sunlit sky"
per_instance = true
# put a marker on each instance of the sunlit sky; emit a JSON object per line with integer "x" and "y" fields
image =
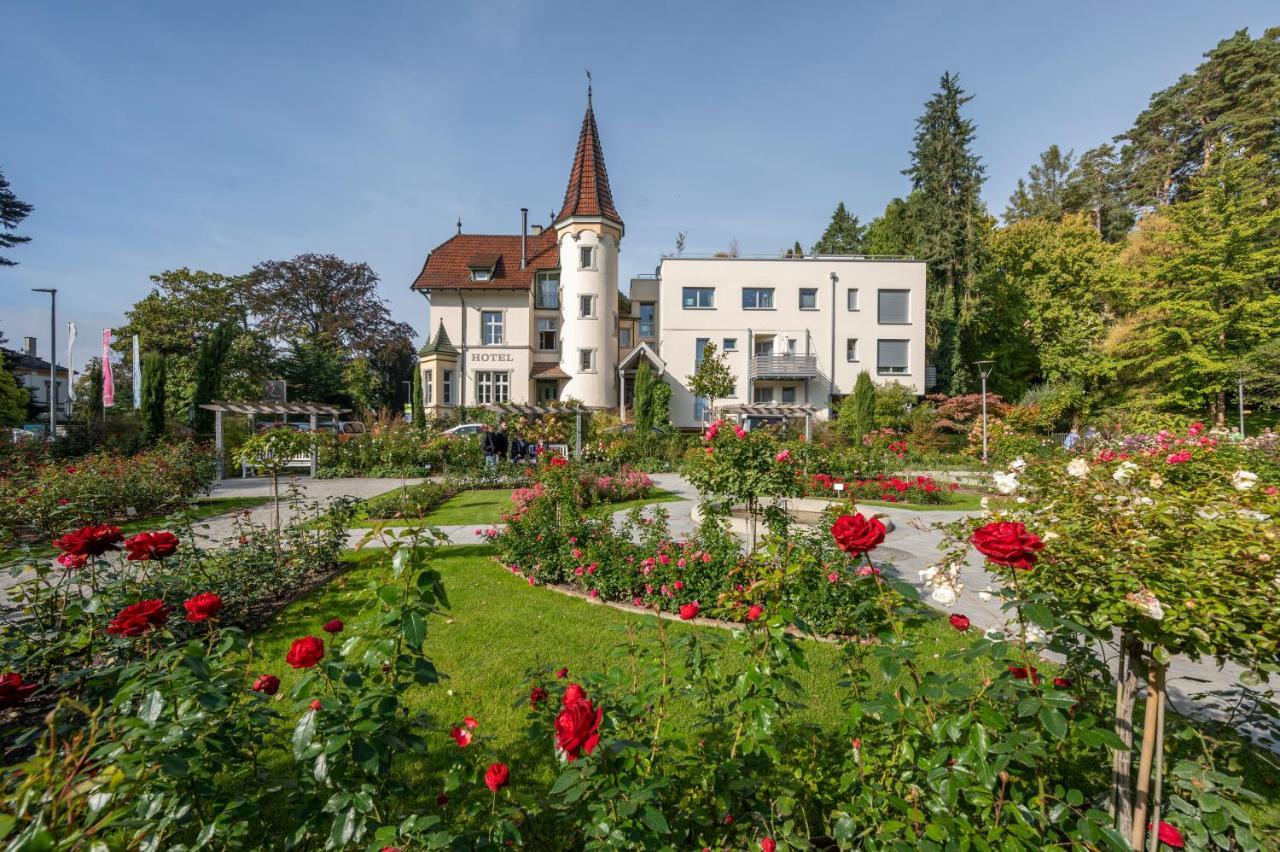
{"x": 216, "y": 135}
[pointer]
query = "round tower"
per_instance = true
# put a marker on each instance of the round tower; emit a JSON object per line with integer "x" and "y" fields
{"x": 589, "y": 231}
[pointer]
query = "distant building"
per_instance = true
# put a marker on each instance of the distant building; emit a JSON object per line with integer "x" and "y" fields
{"x": 32, "y": 373}
{"x": 538, "y": 316}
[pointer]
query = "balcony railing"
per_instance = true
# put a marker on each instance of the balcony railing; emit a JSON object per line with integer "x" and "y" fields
{"x": 784, "y": 366}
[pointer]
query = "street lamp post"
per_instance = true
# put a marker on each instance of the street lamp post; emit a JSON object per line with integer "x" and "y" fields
{"x": 1240, "y": 401}
{"x": 984, "y": 370}
{"x": 53, "y": 359}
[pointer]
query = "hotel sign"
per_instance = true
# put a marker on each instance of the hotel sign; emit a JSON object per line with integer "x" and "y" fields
{"x": 487, "y": 357}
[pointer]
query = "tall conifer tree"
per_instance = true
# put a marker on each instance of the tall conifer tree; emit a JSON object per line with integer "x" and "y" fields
{"x": 845, "y": 235}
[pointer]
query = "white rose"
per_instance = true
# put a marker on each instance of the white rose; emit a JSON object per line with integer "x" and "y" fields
{"x": 1147, "y": 603}
{"x": 1017, "y": 464}
{"x": 944, "y": 595}
{"x": 1156, "y": 481}
{"x": 1078, "y": 468}
{"x": 1243, "y": 480}
{"x": 1124, "y": 472}
{"x": 1006, "y": 483}
{"x": 1035, "y": 634}
{"x": 1049, "y": 536}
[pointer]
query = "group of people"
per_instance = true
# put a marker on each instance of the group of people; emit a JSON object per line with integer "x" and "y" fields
{"x": 497, "y": 443}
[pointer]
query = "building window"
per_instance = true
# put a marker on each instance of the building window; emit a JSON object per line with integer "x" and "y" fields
{"x": 547, "y": 294}
{"x": 757, "y": 298}
{"x": 624, "y": 337}
{"x": 891, "y": 357}
{"x": 701, "y": 405}
{"x": 852, "y": 297}
{"x": 851, "y": 349}
{"x": 428, "y": 387}
{"x": 446, "y": 387}
{"x": 481, "y": 274}
{"x": 700, "y": 350}
{"x": 586, "y": 360}
{"x": 895, "y": 307}
{"x": 646, "y": 320}
{"x": 764, "y": 394}
{"x": 808, "y": 298}
{"x": 698, "y": 297}
{"x": 587, "y": 307}
{"x": 763, "y": 347}
{"x": 789, "y": 394}
{"x": 548, "y": 335}
{"x": 492, "y": 386}
{"x": 491, "y": 328}
{"x": 731, "y": 344}
{"x": 586, "y": 257}
{"x": 548, "y": 390}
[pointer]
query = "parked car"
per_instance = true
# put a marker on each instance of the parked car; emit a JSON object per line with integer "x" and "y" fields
{"x": 465, "y": 429}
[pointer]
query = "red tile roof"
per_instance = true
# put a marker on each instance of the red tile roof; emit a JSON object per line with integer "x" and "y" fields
{"x": 588, "y": 192}
{"x": 449, "y": 264}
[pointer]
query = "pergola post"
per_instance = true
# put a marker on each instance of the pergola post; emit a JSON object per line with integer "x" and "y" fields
{"x": 808, "y": 428}
{"x": 577, "y": 440}
{"x": 315, "y": 447}
{"x": 217, "y": 443}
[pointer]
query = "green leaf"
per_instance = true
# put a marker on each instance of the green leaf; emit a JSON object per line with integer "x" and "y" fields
{"x": 303, "y": 732}
{"x": 151, "y": 707}
{"x": 655, "y": 820}
{"x": 414, "y": 629}
{"x": 1054, "y": 722}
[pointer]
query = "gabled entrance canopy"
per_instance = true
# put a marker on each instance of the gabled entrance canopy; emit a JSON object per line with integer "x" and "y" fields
{"x": 632, "y": 360}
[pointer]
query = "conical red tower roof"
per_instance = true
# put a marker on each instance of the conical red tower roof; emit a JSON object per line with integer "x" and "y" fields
{"x": 588, "y": 193}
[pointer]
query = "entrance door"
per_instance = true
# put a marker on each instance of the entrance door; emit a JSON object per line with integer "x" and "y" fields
{"x": 548, "y": 390}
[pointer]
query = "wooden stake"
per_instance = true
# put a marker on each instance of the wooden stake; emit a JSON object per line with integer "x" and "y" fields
{"x": 1138, "y": 831}
{"x": 1122, "y": 759}
{"x": 1161, "y": 701}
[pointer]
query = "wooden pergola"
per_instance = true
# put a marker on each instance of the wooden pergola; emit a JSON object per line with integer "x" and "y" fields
{"x": 519, "y": 409}
{"x": 777, "y": 409}
{"x": 315, "y": 410}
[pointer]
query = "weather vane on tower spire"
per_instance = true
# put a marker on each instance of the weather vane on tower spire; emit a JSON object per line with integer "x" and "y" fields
{"x": 588, "y": 87}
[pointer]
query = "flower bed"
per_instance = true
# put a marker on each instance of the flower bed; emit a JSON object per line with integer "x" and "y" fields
{"x": 890, "y": 489}
{"x": 41, "y": 499}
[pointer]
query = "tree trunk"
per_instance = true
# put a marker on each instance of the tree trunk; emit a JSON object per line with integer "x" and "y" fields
{"x": 1150, "y": 736}
{"x": 1122, "y": 759}
{"x": 1220, "y": 408}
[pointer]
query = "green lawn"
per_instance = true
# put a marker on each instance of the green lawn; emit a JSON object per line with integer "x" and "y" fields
{"x": 196, "y": 512}
{"x": 499, "y": 627}
{"x": 486, "y": 506}
{"x": 960, "y": 502}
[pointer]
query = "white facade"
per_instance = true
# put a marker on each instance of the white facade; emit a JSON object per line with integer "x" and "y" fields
{"x": 589, "y": 307}
{"x": 792, "y": 330}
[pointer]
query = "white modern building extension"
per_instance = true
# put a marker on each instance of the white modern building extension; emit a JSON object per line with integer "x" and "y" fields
{"x": 538, "y": 316}
{"x": 792, "y": 329}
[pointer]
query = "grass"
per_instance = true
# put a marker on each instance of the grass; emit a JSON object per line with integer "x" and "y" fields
{"x": 499, "y": 628}
{"x": 486, "y": 506}
{"x": 960, "y": 502}
{"x": 196, "y": 512}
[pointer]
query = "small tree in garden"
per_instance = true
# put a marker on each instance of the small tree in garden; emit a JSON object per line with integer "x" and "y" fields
{"x": 93, "y": 410}
{"x": 642, "y": 404}
{"x": 153, "y": 391}
{"x": 858, "y": 410}
{"x": 712, "y": 378}
{"x": 211, "y": 358}
{"x": 13, "y": 400}
{"x": 661, "y": 399}
{"x": 270, "y": 452}
{"x": 417, "y": 414}
{"x": 1168, "y": 541}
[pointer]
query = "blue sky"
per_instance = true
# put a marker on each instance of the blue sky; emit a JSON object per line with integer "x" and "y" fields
{"x": 215, "y": 135}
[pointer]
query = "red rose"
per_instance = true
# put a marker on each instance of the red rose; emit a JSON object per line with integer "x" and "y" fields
{"x": 1169, "y": 835}
{"x": 1008, "y": 543}
{"x": 960, "y": 622}
{"x": 562, "y": 674}
{"x": 1021, "y": 673}
{"x": 856, "y": 535}
{"x": 768, "y": 845}
{"x": 754, "y": 612}
{"x": 305, "y": 652}
{"x": 461, "y": 736}
{"x": 72, "y": 561}
{"x": 13, "y": 690}
{"x": 537, "y": 695}
{"x": 202, "y": 607}
{"x": 442, "y": 799}
{"x": 496, "y": 776}
{"x": 333, "y": 626}
{"x": 1062, "y": 682}
{"x": 267, "y": 684}
{"x": 90, "y": 540}
{"x": 689, "y": 610}
{"x": 151, "y": 545}
{"x": 578, "y": 725}
{"x": 470, "y": 722}
{"x": 136, "y": 619}
{"x": 314, "y": 705}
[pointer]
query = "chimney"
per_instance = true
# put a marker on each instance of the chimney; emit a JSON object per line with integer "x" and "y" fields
{"x": 524, "y": 237}
{"x": 29, "y": 343}
{"x": 536, "y": 229}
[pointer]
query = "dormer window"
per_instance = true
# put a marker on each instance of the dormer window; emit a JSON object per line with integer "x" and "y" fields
{"x": 481, "y": 274}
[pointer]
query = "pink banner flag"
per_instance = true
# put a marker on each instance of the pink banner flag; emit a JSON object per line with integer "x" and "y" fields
{"x": 108, "y": 381}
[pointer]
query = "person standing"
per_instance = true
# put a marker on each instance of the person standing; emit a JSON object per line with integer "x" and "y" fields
{"x": 1072, "y": 438}
{"x": 501, "y": 442}
{"x": 489, "y": 444}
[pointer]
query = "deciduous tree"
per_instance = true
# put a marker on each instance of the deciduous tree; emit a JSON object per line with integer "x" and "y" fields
{"x": 712, "y": 378}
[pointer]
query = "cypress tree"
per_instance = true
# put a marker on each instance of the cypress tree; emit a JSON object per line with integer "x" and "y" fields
{"x": 417, "y": 413}
{"x": 153, "y": 380}
{"x": 93, "y": 411}
{"x": 642, "y": 402}
{"x": 211, "y": 356}
{"x": 864, "y": 405}
{"x": 946, "y": 180}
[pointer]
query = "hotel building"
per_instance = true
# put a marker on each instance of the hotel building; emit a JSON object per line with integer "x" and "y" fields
{"x": 538, "y": 316}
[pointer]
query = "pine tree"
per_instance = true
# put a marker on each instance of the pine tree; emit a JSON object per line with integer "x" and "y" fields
{"x": 844, "y": 235}
{"x": 951, "y": 225}
{"x": 12, "y": 212}
{"x": 153, "y": 381}
{"x": 1096, "y": 187}
{"x": 1044, "y": 193}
